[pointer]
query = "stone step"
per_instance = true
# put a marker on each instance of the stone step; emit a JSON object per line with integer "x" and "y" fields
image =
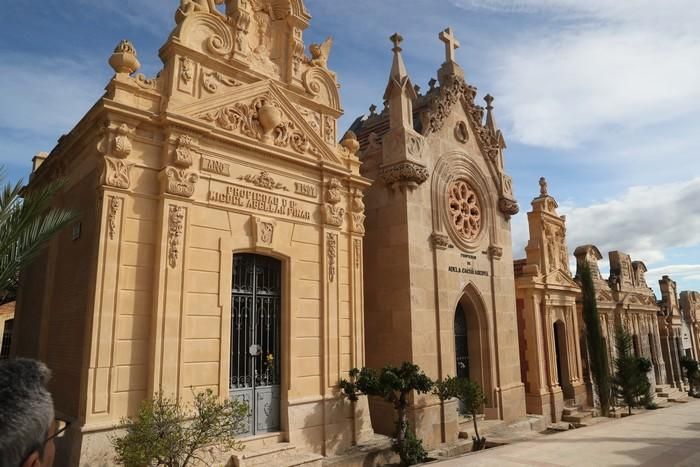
{"x": 280, "y": 454}
{"x": 578, "y": 418}
{"x": 679, "y": 398}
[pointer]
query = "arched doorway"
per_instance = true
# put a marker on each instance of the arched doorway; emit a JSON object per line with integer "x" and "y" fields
{"x": 256, "y": 304}
{"x": 471, "y": 346}
{"x": 562, "y": 360}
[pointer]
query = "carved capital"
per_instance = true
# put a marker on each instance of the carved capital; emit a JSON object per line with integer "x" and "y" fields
{"x": 333, "y": 215}
{"x": 116, "y": 173}
{"x": 404, "y": 174}
{"x": 179, "y": 182}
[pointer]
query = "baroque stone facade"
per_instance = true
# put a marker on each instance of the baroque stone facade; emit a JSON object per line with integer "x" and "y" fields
{"x": 200, "y": 189}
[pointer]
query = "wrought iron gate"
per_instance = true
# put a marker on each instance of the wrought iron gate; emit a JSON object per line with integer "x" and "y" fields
{"x": 256, "y": 299}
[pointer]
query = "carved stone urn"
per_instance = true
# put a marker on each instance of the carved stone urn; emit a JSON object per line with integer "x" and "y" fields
{"x": 350, "y": 143}
{"x": 124, "y": 58}
{"x": 269, "y": 117}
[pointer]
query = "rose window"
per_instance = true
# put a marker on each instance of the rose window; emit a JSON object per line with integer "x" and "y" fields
{"x": 464, "y": 209}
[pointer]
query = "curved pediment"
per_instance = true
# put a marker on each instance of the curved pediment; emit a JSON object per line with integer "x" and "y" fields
{"x": 261, "y": 113}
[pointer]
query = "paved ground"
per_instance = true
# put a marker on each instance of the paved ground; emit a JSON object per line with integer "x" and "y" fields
{"x": 664, "y": 437}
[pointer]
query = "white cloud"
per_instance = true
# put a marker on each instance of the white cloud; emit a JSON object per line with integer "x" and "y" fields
{"x": 46, "y": 96}
{"x": 598, "y": 68}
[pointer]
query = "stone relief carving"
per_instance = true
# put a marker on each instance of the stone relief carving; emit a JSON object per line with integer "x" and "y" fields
{"x": 464, "y": 209}
{"x": 329, "y": 129}
{"x": 186, "y": 70}
{"x": 146, "y": 83}
{"x": 358, "y": 253}
{"x": 461, "y": 132}
{"x": 122, "y": 144}
{"x": 264, "y": 232}
{"x": 117, "y": 173}
{"x": 176, "y": 227}
{"x": 358, "y": 212}
{"x": 261, "y": 119}
{"x": 211, "y": 80}
{"x": 495, "y": 252}
{"x": 508, "y": 206}
{"x": 184, "y": 151}
{"x": 440, "y": 241}
{"x": 334, "y": 214}
{"x": 406, "y": 173}
{"x": 187, "y": 7}
{"x": 112, "y": 212}
{"x": 125, "y": 60}
{"x": 320, "y": 53}
{"x": 332, "y": 255}
{"x": 263, "y": 180}
{"x": 180, "y": 182}
{"x": 311, "y": 117}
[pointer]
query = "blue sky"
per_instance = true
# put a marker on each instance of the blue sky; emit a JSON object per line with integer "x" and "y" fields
{"x": 601, "y": 97}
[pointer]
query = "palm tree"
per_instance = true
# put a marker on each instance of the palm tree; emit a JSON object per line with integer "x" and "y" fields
{"x": 27, "y": 221}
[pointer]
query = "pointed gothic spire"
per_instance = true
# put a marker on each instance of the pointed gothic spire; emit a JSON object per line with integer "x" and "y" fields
{"x": 491, "y": 121}
{"x": 400, "y": 92}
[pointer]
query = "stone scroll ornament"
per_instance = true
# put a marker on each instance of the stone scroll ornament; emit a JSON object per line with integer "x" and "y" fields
{"x": 180, "y": 182}
{"x": 262, "y": 119}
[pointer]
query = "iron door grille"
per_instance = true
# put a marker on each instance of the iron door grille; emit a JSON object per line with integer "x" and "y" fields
{"x": 256, "y": 300}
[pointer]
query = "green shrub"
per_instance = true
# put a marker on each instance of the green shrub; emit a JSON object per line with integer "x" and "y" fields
{"x": 630, "y": 380}
{"x": 165, "y": 432}
{"x": 472, "y": 397}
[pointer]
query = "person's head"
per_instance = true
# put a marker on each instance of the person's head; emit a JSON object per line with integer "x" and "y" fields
{"x": 27, "y": 415}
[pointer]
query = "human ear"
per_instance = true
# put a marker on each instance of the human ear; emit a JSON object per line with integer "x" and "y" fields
{"x": 34, "y": 460}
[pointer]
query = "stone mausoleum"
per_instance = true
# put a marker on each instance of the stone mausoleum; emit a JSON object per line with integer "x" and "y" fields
{"x": 232, "y": 238}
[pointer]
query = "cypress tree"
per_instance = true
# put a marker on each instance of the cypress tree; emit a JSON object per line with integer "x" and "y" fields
{"x": 630, "y": 380}
{"x": 597, "y": 353}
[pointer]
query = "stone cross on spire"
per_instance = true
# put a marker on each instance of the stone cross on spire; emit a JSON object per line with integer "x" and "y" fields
{"x": 451, "y": 44}
{"x": 396, "y": 39}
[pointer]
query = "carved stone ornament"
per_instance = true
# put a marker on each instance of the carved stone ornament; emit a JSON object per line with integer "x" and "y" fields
{"x": 508, "y": 206}
{"x": 263, "y": 120}
{"x": 180, "y": 182}
{"x": 176, "y": 227}
{"x": 333, "y": 214}
{"x": 358, "y": 212}
{"x": 404, "y": 174}
{"x": 495, "y": 252}
{"x": 320, "y": 53}
{"x": 117, "y": 173}
{"x": 450, "y": 94}
{"x": 358, "y": 252}
{"x": 146, "y": 83}
{"x": 122, "y": 143}
{"x": 184, "y": 151}
{"x": 464, "y": 209}
{"x": 263, "y": 180}
{"x": 211, "y": 80}
{"x": 264, "y": 232}
{"x": 461, "y": 132}
{"x": 112, "y": 212}
{"x": 332, "y": 255}
{"x": 125, "y": 60}
{"x": 186, "y": 70}
{"x": 440, "y": 241}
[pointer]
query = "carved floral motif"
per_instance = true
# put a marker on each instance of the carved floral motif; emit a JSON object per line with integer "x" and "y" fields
{"x": 358, "y": 252}
{"x": 264, "y": 232}
{"x": 407, "y": 172}
{"x": 262, "y": 120}
{"x": 112, "y": 212}
{"x": 176, "y": 226}
{"x": 358, "y": 212}
{"x": 263, "y": 180}
{"x": 332, "y": 255}
{"x": 464, "y": 209}
{"x": 211, "y": 80}
{"x": 117, "y": 173}
{"x": 180, "y": 182}
{"x": 184, "y": 150}
{"x": 440, "y": 241}
{"x": 122, "y": 144}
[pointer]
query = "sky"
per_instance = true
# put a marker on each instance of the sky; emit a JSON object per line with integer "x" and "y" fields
{"x": 601, "y": 97}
